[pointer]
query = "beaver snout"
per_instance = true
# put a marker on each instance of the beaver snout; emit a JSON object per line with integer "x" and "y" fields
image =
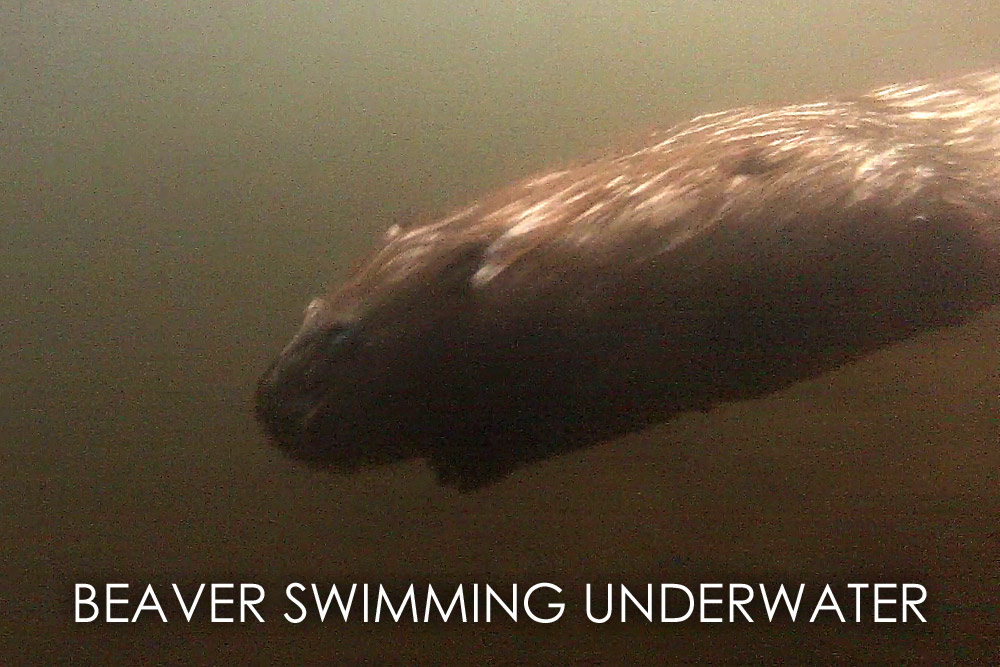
{"x": 291, "y": 389}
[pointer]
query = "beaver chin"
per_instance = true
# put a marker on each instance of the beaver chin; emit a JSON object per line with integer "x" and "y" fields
{"x": 731, "y": 256}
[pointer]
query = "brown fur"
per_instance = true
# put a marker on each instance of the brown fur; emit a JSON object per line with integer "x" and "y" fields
{"x": 732, "y": 255}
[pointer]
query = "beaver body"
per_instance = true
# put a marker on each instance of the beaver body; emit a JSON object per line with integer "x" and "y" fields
{"x": 730, "y": 256}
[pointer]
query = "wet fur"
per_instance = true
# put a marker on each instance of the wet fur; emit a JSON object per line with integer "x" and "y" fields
{"x": 729, "y": 257}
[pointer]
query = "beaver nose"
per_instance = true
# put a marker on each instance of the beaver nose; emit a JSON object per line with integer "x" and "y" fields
{"x": 290, "y": 391}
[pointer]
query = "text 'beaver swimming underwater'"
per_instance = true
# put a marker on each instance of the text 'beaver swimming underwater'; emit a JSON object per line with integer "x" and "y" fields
{"x": 729, "y": 257}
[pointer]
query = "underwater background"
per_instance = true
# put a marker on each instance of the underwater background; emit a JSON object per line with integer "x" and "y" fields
{"x": 179, "y": 179}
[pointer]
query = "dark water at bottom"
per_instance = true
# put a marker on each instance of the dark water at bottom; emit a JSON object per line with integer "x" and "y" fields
{"x": 884, "y": 470}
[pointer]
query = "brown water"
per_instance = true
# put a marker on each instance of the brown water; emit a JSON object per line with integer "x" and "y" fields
{"x": 179, "y": 181}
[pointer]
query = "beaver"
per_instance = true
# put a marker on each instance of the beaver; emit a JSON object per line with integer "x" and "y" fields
{"x": 727, "y": 257}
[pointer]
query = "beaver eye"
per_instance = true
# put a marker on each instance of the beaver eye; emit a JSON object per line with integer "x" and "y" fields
{"x": 336, "y": 339}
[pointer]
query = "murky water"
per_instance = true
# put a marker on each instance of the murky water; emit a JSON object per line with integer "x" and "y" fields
{"x": 179, "y": 181}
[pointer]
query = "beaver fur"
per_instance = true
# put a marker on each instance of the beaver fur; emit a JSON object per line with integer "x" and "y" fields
{"x": 728, "y": 257}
